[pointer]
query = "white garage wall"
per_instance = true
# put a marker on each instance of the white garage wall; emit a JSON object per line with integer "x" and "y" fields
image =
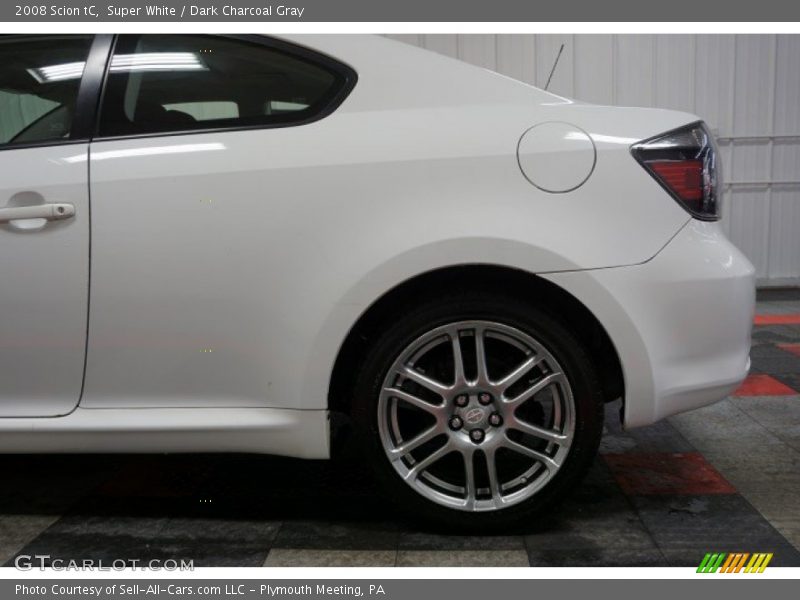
{"x": 747, "y": 87}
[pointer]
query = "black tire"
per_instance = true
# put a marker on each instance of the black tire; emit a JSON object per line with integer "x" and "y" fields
{"x": 539, "y": 323}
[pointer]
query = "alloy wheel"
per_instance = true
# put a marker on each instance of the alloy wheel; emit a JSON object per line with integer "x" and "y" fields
{"x": 476, "y": 415}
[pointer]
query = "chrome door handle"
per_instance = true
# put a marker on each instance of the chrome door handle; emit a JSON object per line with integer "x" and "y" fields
{"x": 51, "y": 212}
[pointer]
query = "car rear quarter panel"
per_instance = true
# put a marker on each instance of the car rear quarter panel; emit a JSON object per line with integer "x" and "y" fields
{"x": 269, "y": 244}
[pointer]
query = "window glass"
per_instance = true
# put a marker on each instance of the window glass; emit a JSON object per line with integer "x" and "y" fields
{"x": 169, "y": 83}
{"x": 39, "y": 81}
{"x": 207, "y": 111}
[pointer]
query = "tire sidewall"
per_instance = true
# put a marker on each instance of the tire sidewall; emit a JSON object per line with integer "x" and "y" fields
{"x": 544, "y": 327}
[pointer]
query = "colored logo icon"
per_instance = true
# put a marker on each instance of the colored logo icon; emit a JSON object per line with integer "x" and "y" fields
{"x": 734, "y": 562}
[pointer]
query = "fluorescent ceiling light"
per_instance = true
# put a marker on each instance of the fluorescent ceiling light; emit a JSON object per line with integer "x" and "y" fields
{"x": 62, "y": 72}
{"x": 146, "y": 61}
{"x": 158, "y": 61}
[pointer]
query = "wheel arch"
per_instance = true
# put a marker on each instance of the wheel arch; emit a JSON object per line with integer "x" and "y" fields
{"x": 545, "y": 294}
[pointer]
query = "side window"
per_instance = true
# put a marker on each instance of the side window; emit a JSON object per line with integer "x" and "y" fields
{"x": 39, "y": 81}
{"x": 172, "y": 83}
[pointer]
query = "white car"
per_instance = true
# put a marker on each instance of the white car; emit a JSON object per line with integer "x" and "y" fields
{"x": 216, "y": 243}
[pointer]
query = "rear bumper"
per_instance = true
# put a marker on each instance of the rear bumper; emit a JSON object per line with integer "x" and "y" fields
{"x": 681, "y": 322}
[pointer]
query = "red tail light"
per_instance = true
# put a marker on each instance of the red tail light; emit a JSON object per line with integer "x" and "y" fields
{"x": 684, "y": 162}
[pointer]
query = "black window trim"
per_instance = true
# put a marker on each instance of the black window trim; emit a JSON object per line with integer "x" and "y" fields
{"x": 347, "y": 73}
{"x": 86, "y": 103}
{"x": 87, "y": 109}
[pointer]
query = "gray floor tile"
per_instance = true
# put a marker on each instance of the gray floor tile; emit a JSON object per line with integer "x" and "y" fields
{"x": 787, "y": 294}
{"x": 432, "y": 541}
{"x": 464, "y": 558}
{"x": 598, "y": 557}
{"x": 322, "y": 535}
{"x": 234, "y": 530}
{"x": 789, "y": 528}
{"x": 18, "y": 530}
{"x": 659, "y": 437}
{"x": 284, "y": 557}
{"x": 721, "y": 424}
{"x": 716, "y": 523}
{"x": 778, "y": 366}
{"x": 792, "y": 380}
{"x": 780, "y": 415}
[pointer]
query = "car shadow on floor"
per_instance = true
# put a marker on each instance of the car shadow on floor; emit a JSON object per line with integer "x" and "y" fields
{"x": 229, "y": 487}
{"x": 233, "y": 509}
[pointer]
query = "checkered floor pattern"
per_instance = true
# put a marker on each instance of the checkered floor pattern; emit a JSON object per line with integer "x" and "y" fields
{"x": 723, "y": 478}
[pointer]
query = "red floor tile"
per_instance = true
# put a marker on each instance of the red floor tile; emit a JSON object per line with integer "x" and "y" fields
{"x": 656, "y": 474}
{"x": 777, "y": 319}
{"x": 763, "y": 385}
{"x": 793, "y": 348}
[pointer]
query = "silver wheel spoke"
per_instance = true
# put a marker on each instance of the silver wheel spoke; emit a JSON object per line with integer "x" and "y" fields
{"x": 415, "y": 442}
{"x": 424, "y": 380}
{"x": 539, "y": 432}
{"x": 548, "y": 462}
{"x": 458, "y": 360}
{"x": 469, "y": 471}
{"x": 494, "y": 484}
{"x": 515, "y": 375}
{"x": 537, "y": 387}
{"x": 428, "y": 461}
{"x": 413, "y": 400}
{"x": 480, "y": 356}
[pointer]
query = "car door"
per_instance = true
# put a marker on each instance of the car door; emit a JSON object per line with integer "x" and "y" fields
{"x": 44, "y": 221}
{"x": 195, "y": 190}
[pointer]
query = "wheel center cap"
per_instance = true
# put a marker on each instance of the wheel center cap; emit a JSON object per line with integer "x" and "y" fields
{"x": 474, "y": 416}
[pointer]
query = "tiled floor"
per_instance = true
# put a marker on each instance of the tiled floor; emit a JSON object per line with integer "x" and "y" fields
{"x": 723, "y": 478}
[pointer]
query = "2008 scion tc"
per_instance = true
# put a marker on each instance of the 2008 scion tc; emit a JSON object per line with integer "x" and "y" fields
{"x": 214, "y": 243}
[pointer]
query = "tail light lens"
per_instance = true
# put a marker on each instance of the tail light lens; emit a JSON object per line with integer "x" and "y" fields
{"x": 684, "y": 162}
